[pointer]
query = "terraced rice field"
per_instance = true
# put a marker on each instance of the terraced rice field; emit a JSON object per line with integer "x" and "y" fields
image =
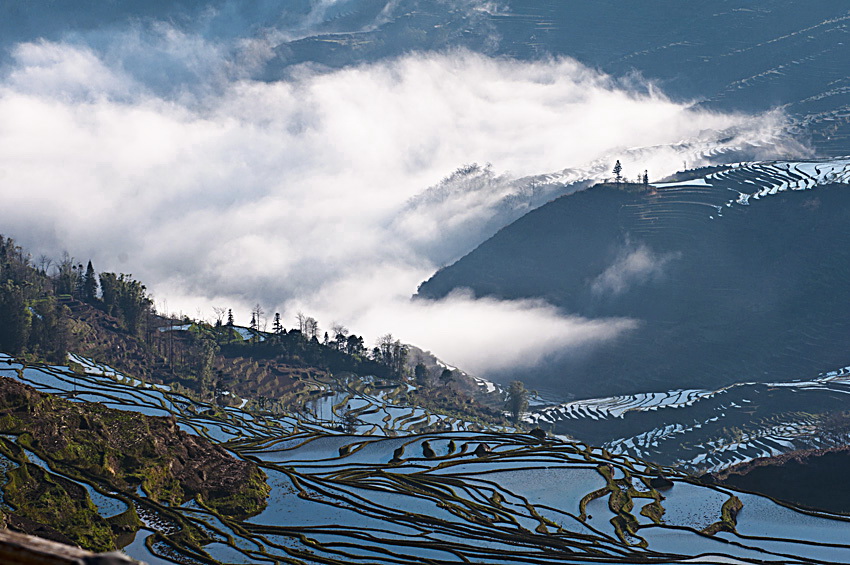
{"x": 400, "y": 496}
{"x": 704, "y": 430}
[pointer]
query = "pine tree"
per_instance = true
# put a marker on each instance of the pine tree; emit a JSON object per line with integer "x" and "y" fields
{"x": 646, "y": 179}
{"x": 618, "y": 170}
{"x": 229, "y": 317}
{"x": 277, "y": 327}
{"x": 79, "y": 281}
{"x": 90, "y": 284}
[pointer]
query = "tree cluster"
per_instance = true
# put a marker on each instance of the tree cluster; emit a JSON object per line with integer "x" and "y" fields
{"x": 31, "y": 319}
{"x": 517, "y": 400}
{"x": 124, "y": 298}
{"x": 36, "y": 303}
{"x": 346, "y": 354}
{"x": 392, "y": 353}
{"x": 33, "y": 301}
{"x": 642, "y": 179}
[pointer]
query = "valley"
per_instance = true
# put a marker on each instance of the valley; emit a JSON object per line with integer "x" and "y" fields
{"x": 528, "y": 281}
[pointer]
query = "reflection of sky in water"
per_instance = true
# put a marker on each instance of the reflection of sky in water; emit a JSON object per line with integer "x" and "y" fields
{"x": 688, "y": 505}
{"x": 551, "y": 477}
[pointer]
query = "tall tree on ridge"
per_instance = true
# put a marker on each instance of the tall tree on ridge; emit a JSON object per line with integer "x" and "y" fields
{"x": 90, "y": 284}
{"x": 67, "y": 276}
{"x": 311, "y": 328}
{"x": 257, "y": 313}
{"x": 220, "y": 313}
{"x": 79, "y": 291}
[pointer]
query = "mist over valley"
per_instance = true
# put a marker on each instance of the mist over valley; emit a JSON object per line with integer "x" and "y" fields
{"x": 441, "y": 280}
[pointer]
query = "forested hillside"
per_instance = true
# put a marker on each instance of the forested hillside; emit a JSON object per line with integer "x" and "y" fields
{"x": 52, "y": 308}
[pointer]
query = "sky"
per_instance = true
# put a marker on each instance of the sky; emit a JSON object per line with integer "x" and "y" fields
{"x": 154, "y": 149}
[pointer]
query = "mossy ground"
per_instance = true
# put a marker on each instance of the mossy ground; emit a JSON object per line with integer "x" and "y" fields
{"x": 43, "y": 498}
{"x": 117, "y": 450}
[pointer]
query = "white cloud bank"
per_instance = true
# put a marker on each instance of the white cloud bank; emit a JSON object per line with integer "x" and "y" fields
{"x": 297, "y": 194}
{"x": 634, "y": 266}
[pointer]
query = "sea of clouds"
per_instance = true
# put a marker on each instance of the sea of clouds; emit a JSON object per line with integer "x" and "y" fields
{"x": 151, "y": 149}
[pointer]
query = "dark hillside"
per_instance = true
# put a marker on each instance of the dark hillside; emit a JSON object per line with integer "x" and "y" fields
{"x": 722, "y": 293}
{"x": 813, "y": 479}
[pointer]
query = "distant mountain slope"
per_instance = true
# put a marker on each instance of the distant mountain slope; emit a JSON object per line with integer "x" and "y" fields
{"x": 724, "y": 292}
{"x": 726, "y": 54}
{"x": 709, "y": 430}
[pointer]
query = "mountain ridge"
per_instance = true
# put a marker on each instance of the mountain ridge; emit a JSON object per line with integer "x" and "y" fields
{"x": 710, "y": 281}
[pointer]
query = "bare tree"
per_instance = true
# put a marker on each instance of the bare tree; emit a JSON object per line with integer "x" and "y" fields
{"x": 340, "y": 335}
{"x": 67, "y": 275}
{"x": 258, "y": 314}
{"x": 302, "y": 318}
{"x": 311, "y": 327}
{"x": 44, "y": 263}
{"x": 220, "y": 314}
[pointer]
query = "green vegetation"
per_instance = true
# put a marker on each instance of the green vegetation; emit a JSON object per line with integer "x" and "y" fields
{"x": 40, "y": 498}
{"x": 117, "y": 451}
{"x": 33, "y": 320}
{"x": 41, "y": 503}
{"x": 51, "y": 308}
